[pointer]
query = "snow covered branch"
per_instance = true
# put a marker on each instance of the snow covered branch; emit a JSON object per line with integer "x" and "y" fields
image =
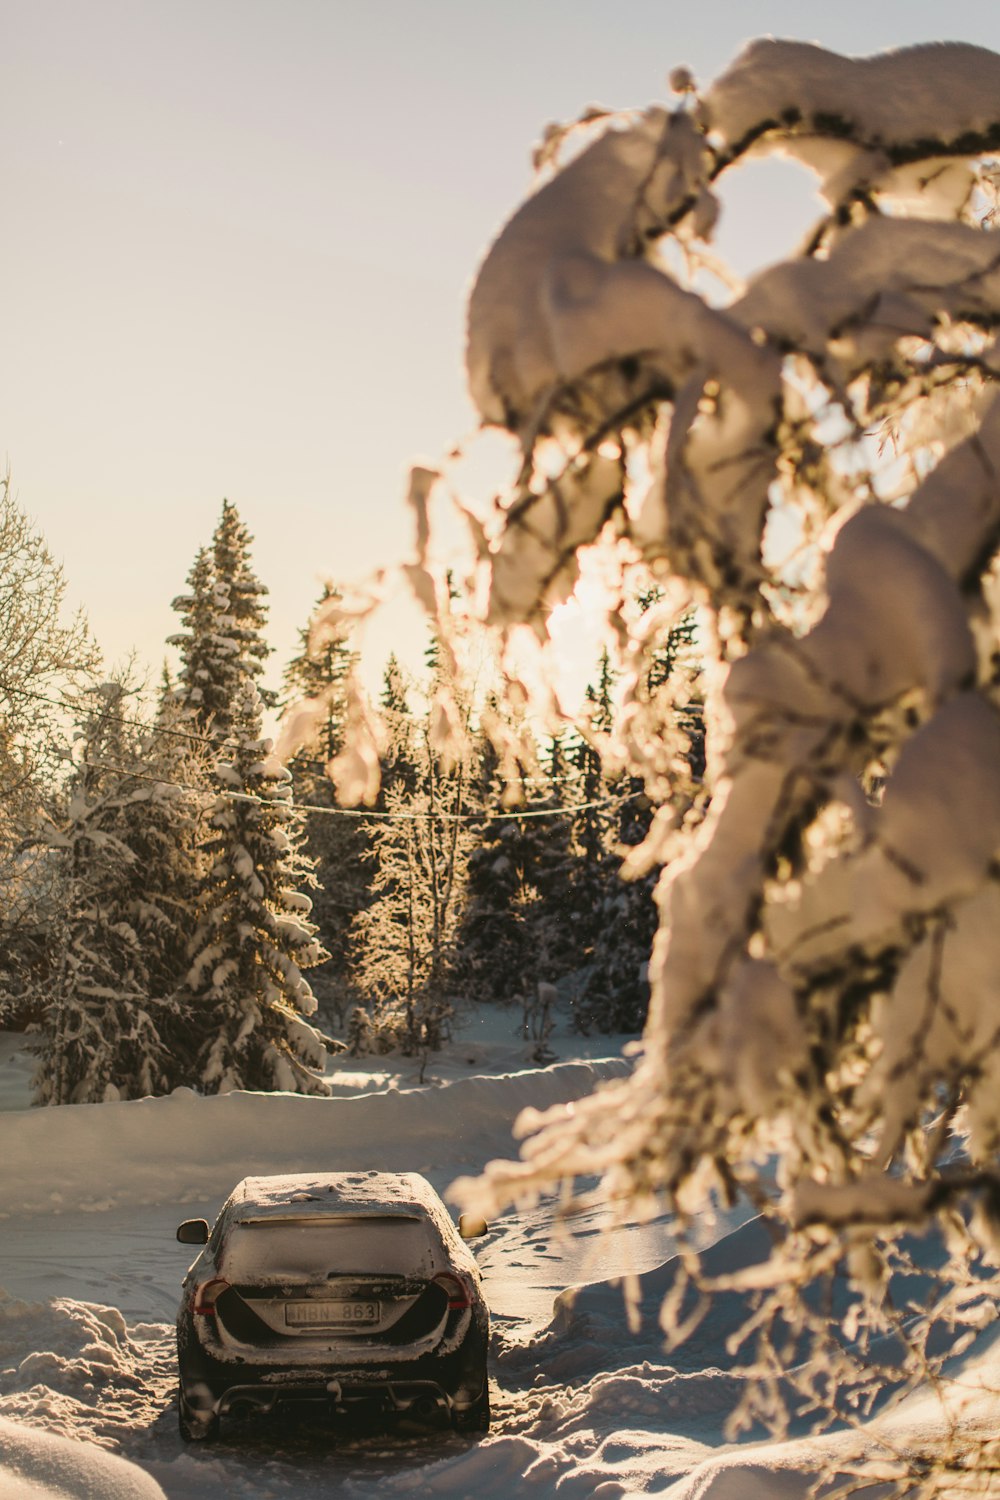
{"x": 813, "y": 460}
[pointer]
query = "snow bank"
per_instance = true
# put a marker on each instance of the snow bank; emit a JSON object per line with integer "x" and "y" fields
{"x": 95, "y": 1156}
{"x": 81, "y": 1344}
{"x": 39, "y": 1466}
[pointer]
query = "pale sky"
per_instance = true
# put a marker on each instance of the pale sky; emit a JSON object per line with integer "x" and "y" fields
{"x": 237, "y": 240}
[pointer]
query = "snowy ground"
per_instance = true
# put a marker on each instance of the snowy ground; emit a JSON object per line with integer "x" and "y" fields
{"x": 90, "y": 1270}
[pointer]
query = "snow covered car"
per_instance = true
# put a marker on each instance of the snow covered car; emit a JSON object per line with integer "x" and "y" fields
{"x": 353, "y": 1290}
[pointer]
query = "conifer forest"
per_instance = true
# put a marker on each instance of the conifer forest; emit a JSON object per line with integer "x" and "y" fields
{"x": 183, "y": 909}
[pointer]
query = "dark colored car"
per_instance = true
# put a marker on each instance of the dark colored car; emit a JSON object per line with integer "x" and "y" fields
{"x": 352, "y": 1290}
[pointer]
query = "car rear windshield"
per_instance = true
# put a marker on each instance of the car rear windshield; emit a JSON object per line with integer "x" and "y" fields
{"x": 317, "y": 1246}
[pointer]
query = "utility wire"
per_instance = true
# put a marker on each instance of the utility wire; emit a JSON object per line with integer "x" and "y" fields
{"x": 321, "y": 765}
{"x": 156, "y": 729}
{"x": 196, "y": 737}
{"x": 152, "y": 729}
{"x": 355, "y": 812}
{"x": 323, "y": 811}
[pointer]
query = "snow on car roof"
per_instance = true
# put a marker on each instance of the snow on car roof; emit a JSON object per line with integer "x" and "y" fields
{"x": 347, "y": 1192}
{"x": 396, "y": 1194}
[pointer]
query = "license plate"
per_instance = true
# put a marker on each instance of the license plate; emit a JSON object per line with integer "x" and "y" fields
{"x": 331, "y": 1314}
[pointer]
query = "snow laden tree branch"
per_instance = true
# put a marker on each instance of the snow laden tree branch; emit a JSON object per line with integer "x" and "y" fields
{"x": 813, "y": 461}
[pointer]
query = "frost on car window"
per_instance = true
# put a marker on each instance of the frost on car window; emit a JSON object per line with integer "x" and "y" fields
{"x": 316, "y": 1246}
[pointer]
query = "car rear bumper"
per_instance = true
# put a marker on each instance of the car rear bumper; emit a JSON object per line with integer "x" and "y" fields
{"x": 449, "y": 1383}
{"x": 419, "y": 1398}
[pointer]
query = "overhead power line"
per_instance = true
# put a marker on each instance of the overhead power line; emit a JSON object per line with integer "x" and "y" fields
{"x": 177, "y": 734}
{"x": 357, "y": 812}
{"x": 199, "y": 738}
{"x": 318, "y": 808}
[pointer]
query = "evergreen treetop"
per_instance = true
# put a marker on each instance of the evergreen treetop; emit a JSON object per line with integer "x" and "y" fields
{"x": 223, "y": 616}
{"x": 245, "y": 594}
{"x": 320, "y": 671}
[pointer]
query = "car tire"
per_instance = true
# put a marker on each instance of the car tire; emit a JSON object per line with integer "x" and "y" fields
{"x": 192, "y": 1428}
{"x": 475, "y": 1418}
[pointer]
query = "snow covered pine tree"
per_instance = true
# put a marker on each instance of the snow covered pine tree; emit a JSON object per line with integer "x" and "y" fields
{"x": 244, "y": 998}
{"x": 122, "y": 861}
{"x": 254, "y": 937}
{"x": 813, "y": 461}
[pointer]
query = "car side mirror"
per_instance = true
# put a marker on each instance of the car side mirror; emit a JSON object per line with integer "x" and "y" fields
{"x": 471, "y": 1226}
{"x": 193, "y": 1232}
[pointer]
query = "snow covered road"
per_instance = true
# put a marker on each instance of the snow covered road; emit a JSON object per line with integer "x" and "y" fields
{"x": 91, "y": 1270}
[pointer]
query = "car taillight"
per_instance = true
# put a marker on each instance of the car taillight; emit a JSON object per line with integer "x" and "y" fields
{"x": 207, "y": 1295}
{"x": 456, "y": 1289}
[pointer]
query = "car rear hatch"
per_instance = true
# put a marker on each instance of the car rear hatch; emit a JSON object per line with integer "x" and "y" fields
{"x": 303, "y": 1288}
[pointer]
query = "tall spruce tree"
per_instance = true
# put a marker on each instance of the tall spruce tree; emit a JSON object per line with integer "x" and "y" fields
{"x": 248, "y": 996}
{"x": 335, "y": 842}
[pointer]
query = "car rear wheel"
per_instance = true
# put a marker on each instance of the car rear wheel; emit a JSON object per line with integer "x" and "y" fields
{"x": 192, "y": 1427}
{"x": 475, "y": 1418}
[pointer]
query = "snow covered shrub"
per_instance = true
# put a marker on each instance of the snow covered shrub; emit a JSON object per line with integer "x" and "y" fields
{"x": 538, "y": 1022}
{"x": 810, "y": 460}
{"x": 372, "y": 1033}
